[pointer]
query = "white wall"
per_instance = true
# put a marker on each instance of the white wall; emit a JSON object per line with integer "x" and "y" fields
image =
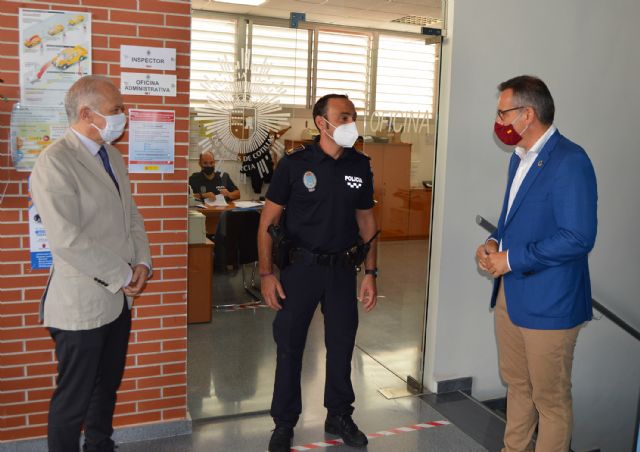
{"x": 606, "y": 374}
{"x": 587, "y": 51}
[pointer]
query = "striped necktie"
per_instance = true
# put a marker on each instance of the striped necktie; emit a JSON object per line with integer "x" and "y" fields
{"x": 105, "y": 161}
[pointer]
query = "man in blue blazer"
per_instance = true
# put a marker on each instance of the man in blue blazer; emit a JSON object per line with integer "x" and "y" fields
{"x": 538, "y": 256}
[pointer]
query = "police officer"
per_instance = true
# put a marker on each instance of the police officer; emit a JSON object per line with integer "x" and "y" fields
{"x": 327, "y": 190}
{"x": 208, "y": 183}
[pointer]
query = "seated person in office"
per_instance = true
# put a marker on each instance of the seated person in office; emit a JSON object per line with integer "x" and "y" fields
{"x": 208, "y": 183}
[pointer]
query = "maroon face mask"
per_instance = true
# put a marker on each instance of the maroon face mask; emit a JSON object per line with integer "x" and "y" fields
{"x": 507, "y": 134}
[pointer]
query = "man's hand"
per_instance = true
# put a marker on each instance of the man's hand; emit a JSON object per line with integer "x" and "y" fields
{"x": 138, "y": 281}
{"x": 368, "y": 293}
{"x": 272, "y": 289}
{"x": 483, "y": 252}
{"x": 224, "y": 192}
{"x": 497, "y": 264}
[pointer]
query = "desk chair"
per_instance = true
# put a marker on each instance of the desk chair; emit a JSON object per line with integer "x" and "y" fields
{"x": 241, "y": 248}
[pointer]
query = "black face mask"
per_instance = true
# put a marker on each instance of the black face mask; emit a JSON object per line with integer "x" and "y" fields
{"x": 208, "y": 170}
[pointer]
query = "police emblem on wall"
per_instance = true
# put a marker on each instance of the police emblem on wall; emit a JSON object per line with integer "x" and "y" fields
{"x": 258, "y": 164}
{"x": 242, "y": 117}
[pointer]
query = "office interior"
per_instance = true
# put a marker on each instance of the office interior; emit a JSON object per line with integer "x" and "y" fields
{"x": 420, "y": 340}
{"x": 428, "y": 352}
{"x": 397, "y": 121}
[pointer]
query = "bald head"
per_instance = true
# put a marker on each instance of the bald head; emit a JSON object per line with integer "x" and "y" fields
{"x": 206, "y": 156}
{"x": 89, "y": 91}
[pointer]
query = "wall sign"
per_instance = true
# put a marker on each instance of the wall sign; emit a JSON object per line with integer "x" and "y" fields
{"x": 148, "y": 58}
{"x": 139, "y": 84}
{"x": 152, "y": 141}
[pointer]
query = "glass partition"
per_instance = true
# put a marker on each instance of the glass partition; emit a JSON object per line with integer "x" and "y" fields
{"x": 254, "y": 82}
{"x": 399, "y": 137}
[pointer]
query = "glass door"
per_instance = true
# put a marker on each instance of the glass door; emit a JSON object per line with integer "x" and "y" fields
{"x": 248, "y": 81}
{"x": 400, "y": 139}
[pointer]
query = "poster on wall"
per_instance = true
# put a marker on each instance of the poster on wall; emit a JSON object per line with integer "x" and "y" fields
{"x": 40, "y": 253}
{"x": 151, "y": 141}
{"x": 32, "y": 129}
{"x": 55, "y": 51}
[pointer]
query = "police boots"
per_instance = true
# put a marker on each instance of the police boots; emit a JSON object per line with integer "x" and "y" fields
{"x": 343, "y": 426}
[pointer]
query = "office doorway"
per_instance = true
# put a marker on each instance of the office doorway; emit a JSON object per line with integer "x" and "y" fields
{"x": 391, "y": 74}
{"x": 400, "y": 135}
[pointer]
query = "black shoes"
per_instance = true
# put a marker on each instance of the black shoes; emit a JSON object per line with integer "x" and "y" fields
{"x": 342, "y": 425}
{"x": 281, "y": 439}
{"x": 345, "y": 428}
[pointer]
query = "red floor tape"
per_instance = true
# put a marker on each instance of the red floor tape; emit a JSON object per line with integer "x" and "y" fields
{"x": 390, "y": 432}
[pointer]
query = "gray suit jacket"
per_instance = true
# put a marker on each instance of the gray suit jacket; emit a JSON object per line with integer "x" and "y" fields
{"x": 94, "y": 233}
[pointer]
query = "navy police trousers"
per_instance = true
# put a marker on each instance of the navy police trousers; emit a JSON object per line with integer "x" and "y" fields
{"x": 305, "y": 285}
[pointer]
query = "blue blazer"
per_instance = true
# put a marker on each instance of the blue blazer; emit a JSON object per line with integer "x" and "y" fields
{"x": 549, "y": 232}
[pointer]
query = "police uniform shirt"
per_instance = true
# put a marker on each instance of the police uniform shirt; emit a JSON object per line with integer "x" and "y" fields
{"x": 321, "y": 195}
{"x": 199, "y": 180}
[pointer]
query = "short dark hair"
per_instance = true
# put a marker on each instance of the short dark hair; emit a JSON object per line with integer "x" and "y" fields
{"x": 531, "y": 91}
{"x": 320, "y": 107}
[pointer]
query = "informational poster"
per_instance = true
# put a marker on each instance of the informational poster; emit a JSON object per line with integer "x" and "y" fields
{"x": 55, "y": 51}
{"x": 32, "y": 130}
{"x": 152, "y": 141}
{"x": 40, "y": 253}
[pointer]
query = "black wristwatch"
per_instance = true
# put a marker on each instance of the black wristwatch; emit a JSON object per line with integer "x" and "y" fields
{"x": 371, "y": 271}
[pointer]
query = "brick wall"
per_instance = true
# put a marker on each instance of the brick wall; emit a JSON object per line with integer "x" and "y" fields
{"x": 154, "y": 387}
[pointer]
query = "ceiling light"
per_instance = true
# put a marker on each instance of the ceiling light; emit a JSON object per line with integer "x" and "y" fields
{"x": 242, "y": 2}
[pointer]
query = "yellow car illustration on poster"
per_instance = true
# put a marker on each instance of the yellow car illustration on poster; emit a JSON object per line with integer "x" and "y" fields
{"x": 58, "y": 28}
{"x": 69, "y": 56}
{"x": 33, "y": 41}
{"x": 75, "y": 20}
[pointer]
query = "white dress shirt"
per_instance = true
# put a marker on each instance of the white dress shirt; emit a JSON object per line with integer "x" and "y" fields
{"x": 91, "y": 146}
{"x": 526, "y": 160}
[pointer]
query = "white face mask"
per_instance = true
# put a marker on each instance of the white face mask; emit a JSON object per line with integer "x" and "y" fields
{"x": 345, "y": 135}
{"x": 114, "y": 127}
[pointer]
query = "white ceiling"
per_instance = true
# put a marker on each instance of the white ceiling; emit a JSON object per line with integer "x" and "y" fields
{"x": 356, "y": 13}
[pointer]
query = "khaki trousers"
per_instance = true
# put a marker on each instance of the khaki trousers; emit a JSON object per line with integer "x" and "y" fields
{"x": 536, "y": 366}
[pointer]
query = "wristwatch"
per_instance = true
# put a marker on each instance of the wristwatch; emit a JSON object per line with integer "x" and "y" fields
{"x": 371, "y": 271}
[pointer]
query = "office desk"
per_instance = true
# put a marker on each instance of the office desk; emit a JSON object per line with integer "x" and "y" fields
{"x": 199, "y": 282}
{"x": 213, "y": 215}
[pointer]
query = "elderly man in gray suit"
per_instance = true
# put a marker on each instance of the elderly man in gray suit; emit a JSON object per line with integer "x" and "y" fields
{"x": 101, "y": 261}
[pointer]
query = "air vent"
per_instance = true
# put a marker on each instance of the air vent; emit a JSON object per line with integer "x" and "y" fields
{"x": 418, "y": 20}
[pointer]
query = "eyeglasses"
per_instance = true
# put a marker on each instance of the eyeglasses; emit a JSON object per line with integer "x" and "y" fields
{"x": 501, "y": 113}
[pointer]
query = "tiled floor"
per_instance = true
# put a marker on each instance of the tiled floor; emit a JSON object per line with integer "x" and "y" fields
{"x": 373, "y": 413}
{"x": 391, "y": 334}
{"x": 231, "y": 367}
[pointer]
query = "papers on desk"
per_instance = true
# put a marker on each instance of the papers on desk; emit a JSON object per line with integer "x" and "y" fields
{"x": 248, "y": 204}
{"x": 218, "y": 202}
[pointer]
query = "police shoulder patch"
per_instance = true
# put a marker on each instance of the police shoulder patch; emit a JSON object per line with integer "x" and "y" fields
{"x": 295, "y": 150}
{"x": 362, "y": 153}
